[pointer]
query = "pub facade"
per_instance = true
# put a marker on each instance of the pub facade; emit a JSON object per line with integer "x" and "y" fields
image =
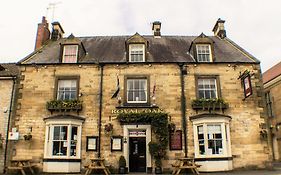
{"x": 111, "y": 96}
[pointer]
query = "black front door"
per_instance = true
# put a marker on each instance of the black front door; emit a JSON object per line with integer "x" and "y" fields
{"x": 137, "y": 146}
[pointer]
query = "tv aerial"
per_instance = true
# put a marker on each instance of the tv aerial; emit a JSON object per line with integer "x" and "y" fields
{"x": 52, "y": 7}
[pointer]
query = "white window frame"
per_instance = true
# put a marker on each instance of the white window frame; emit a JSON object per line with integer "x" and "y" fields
{"x": 49, "y": 133}
{"x": 205, "y": 80}
{"x": 136, "y": 48}
{"x": 225, "y": 131}
{"x": 145, "y": 90}
{"x": 64, "y": 52}
{"x": 59, "y": 91}
{"x": 200, "y": 52}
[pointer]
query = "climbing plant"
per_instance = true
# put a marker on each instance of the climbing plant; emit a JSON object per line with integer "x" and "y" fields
{"x": 159, "y": 126}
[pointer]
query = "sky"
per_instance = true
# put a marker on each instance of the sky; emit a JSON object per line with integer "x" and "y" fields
{"x": 255, "y": 25}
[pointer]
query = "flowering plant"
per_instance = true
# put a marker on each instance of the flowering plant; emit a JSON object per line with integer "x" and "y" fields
{"x": 27, "y": 136}
{"x": 108, "y": 128}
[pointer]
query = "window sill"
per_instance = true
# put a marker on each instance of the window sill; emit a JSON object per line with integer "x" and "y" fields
{"x": 61, "y": 159}
{"x": 221, "y": 158}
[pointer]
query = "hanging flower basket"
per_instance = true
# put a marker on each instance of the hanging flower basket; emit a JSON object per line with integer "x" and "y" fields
{"x": 209, "y": 104}
{"x": 27, "y": 137}
{"x": 64, "y": 105}
{"x": 108, "y": 128}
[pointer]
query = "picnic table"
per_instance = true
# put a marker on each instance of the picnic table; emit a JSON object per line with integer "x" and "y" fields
{"x": 21, "y": 164}
{"x": 185, "y": 163}
{"x": 97, "y": 164}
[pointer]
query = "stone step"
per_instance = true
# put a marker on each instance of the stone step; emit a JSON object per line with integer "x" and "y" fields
{"x": 276, "y": 165}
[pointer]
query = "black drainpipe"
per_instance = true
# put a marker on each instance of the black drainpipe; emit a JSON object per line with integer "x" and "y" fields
{"x": 100, "y": 108}
{"x": 183, "y": 107}
{"x": 9, "y": 122}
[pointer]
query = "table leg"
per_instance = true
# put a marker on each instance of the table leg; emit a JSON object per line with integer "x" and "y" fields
{"x": 22, "y": 172}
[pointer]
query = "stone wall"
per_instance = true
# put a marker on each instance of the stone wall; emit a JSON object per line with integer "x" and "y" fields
{"x": 6, "y": 87}
{"x": 38, "y": 83}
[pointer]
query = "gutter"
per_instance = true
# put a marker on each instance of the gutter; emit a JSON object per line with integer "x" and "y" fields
{"x": 100, "y": 108}
{"x": 9, "y": 122}
{"x": 183, "y": 108}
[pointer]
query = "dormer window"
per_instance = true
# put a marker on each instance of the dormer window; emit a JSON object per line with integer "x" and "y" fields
{"x": 203, "y": 53}
{"x": 70, "y": 54}
{"x": 136, "y": 53}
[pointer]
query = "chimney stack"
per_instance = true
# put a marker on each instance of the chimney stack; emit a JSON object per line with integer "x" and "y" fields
{"x": 57, "y": 31}
{"x": 43, "y": 33}
{"x": 219, "y": 30}
{"x": 156, "y": 26}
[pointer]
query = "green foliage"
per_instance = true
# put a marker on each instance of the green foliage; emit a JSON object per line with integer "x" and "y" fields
{"x": 122, "y": 161}
{"x": 1, "y": 141}
{"x": 159, "y": 124}
{"x": 64, "y": 104}
{"x": 212, "y": 103}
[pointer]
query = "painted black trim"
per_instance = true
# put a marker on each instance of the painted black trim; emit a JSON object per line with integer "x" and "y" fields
{"x": 61, "y": 160}
{"x": 214, "y": 159}
{"x": 137, "y": 106}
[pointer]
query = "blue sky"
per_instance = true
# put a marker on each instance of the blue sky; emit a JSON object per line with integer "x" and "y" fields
{"x": 255, "y": 25}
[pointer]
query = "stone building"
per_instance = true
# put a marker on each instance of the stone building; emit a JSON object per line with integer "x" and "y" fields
{"x": 8, "y": 81}
{"x": 272, "y": 87}
{"x": 100, "y": 96}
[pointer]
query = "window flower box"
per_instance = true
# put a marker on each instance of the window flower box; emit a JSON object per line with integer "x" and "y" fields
{"x": 64, "y": 105}
{"x": 209, "y": 104}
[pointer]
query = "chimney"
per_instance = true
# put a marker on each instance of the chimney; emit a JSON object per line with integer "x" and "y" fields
{"x": 43, "y": 33}
{"x": 156, "y": 26}
{"x": 219, "y": 30}
{"x": 57, "y": 31}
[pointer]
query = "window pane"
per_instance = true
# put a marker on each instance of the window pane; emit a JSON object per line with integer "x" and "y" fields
{"x": 203, "y": 53}
{"x": 136, "y": 90}
{"x": 70, "y": 54}
{"x": 214, "y": 139}
{"x": 207, "y": 88}
{"x": 73, "y": 143}
{"x": 67, "y": 89}
{"x": 201, "y": 140}
{"x": 136, "y": 52}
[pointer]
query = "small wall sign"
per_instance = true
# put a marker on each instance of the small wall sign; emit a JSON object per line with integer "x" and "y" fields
{"x": 116, "y": 143}
{"x": 92, "y": 142}
{"x": 176, "y": 140}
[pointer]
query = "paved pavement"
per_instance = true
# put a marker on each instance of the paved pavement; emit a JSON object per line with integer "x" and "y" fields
{"x": 247, "y": 172}
{"x": 244, "y": 172}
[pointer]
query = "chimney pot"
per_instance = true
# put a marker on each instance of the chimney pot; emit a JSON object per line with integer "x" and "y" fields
{"x": 57, "y": 31}
{"x": 219, "y": 29}
{"x": 156, "y": 27}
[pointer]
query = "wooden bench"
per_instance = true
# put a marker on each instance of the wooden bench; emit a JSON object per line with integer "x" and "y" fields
{"x": 21, "y": 164}
{"x": 185, "y": 163}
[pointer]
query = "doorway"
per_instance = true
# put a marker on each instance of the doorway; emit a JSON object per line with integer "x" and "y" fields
{"x": 137, "y": 154}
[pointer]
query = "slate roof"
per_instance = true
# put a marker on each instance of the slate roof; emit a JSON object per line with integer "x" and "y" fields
{"x": 271, "y": 73}
{"x": 167, "y": 49}
{"x": 8, "y": 70}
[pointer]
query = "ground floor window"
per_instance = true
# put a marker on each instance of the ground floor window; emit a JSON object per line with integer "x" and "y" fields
{"x": 63, "y": 139}
{"x": 211, "y": 137}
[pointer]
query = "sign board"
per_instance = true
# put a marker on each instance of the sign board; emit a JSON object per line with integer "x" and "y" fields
{"x": 13, "y": 136}
{"x": 176, "y": 140}
{"x": 247, "y": 86}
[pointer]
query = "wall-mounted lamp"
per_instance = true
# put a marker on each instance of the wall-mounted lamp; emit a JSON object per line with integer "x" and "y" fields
{"x": 125, "y": 139}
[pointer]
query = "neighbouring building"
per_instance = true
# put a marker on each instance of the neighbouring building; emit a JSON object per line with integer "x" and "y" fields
{"x": 272, "y": 88}
{"x": 107, "y": 96}
{"x": 8, "y": 81}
